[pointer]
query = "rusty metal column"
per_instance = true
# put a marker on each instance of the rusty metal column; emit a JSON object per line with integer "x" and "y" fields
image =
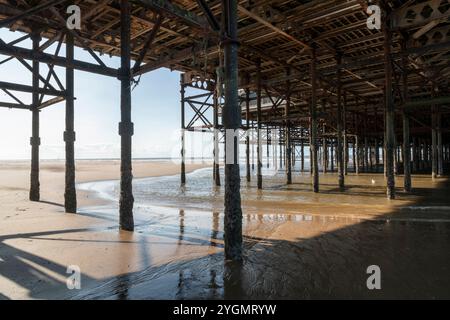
{"x": 216, "y": 169}
{"x": 267, "y": 147}
{"x": 390, "y": 113}
{"x": 280, "y": 144}
{"x": 183, "y": 133}
{"x": 358, "y": 155}
{"x": 406, "y": 134}
{"x": 377, "y": 142}
{"x": 231, "y": 115}
{"x": 274, "y": 139}
{"x": 434, "y": 125}
{"x": 421, "y": 154}
{"x": 406, "y": 153}
{"x": 425, "y": 160}
{"x": 344, "y": 133}
{"x": 293, "y": 152}
{"x": 287, "y": 140}
{"x": 313, "y": 112}
{"x": 383, "y": 149}
{"x": 332, "y": 155}
{"x": 253, "y": 146}
{"x": 302, "y": 151}
{"x": 366, "y": 164}
{"x": 324, "y": 150}
{"x": 340, "y": 153}
{"x": 70, "y": 195}
{"x": 440, "y": 153}
{"x": 415, "y": 153}
{"x": 396, "y": 158}
{"x": 259, "y": 127}
{"x": 35, "y": 140}
{"x": 126, "y": 129}
{"x": 247, "y": 116}
{"x": 377, "y": 154}
{"x": 366, "y": 145}
{"x": 447, "y": 153}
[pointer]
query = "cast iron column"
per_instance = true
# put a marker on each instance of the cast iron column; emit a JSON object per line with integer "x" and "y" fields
{"x": 332, "y": 155}
{"x": 313, "y": 112}
{"x": 358, "y": 155}
{"x": 406, "y": 137}
{"x": 288, "y": 130}
{"x": 247, "y": 115}
{"x": 344, "y": 133}
{"x": 231, "y": 116}
{"x": 439, "y": 146}
{"x": 390, "y": 113}
{"x": 340, "y": 153}
{"x": 280, "y": 144}
{"x": 302, "y": 151}
{"x": 267, "y": 146}
{"x": 324, "y": 150}
{"x": 70, "y": 196}
{"x": 216, "y": 155}
{"x": 434, "y": 126}
{"x": 183, "y": 133}
{"x": 35, "y": 140}
{"x": 259, "y": 127}
{"x": 353, "y": 156}
{"x": 126, "y": 129}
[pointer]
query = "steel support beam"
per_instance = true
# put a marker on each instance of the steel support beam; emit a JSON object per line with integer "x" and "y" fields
{"x": 209, "y": 15}
{"x": 33, "y": 10}
{"x": 427, "y": 102}
{"x": 15, "y": 106}
{"x": 169, "y": 9}
{"x": 30, "y": 89}
{"x": 38, "y": 56}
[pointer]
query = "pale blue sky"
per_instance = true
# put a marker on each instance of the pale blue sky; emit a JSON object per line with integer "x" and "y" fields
{"x": 155, "y": 112}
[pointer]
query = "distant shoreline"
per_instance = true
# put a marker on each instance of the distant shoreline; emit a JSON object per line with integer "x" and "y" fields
{"x": 111, "y": 159}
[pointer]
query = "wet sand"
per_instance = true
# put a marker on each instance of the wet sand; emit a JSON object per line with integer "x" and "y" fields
{"x": 297, "y": 244}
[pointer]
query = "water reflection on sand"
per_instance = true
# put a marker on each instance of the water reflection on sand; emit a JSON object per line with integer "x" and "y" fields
{"x": 297, "y": 244}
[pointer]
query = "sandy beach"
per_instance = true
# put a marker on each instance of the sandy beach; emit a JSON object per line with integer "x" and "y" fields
{"x": 34, "y": 262}
{"x": 297, "y": 244}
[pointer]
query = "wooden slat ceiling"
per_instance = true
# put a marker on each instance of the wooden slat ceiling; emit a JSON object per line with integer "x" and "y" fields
{"x": 332, "y": 26}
